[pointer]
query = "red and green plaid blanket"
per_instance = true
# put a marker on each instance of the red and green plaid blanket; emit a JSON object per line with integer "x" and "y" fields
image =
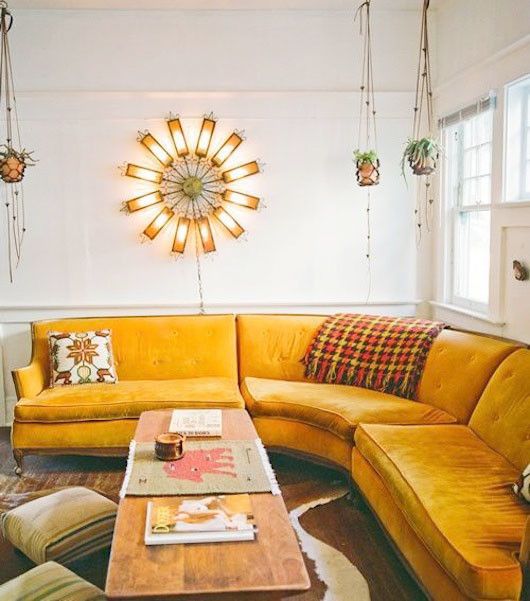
{"x": 387, "y": 354}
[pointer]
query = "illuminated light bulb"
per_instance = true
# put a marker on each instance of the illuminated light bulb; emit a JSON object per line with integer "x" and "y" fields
{"x": 205, "y": 233}
{"x": 160, "y": 153}
{"x": 148, "y": 175}
{"x": 205, "y": 137}
{"x": 162, "y": 219}
{"x": 240, "y": 172}
{"x": 177, "y": 135}
{"x": 242, "y": 200}
{"x": 181, "y": 235}
{"x": 144, "y": 201}
{"x": 229, "y": 222}
{"x": 226, "y": 149}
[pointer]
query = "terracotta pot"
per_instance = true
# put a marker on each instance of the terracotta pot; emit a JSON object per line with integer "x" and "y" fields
{"x": 427, "y": 167}
{"x": 368, "y": 173}
{"x": 12, "y": 169}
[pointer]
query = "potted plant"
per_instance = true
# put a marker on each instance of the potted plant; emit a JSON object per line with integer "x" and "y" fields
{"x": 367, "y": 167}
{"x": 13, "y": 164}
{"x": 421, "y": 155}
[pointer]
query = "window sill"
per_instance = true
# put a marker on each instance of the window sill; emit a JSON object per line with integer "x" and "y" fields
{"x": 456, "y": 309}
{"x": 513, "y": 204}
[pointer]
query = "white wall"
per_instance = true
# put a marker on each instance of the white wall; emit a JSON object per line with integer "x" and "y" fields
{"x": 481, "y": 46}
{"x": 88, "y": 80}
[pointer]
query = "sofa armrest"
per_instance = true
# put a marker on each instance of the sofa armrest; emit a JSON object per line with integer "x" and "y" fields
{"x": 30, "y": 380}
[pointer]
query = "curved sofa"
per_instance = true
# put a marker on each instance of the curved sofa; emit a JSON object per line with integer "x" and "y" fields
{"x": 435, "y": 471}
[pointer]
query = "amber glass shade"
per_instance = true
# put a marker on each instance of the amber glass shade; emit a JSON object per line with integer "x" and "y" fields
{"x": 177, "y": 135}
{"x": 162, "y": 219}
{"x": 181, "y": 235}
{"x": 205, "y": 137}
{"x": 148, "y": 175}
{"x": 228, "y": 221}
{"x": 160, "y": 153}
{"x": 240, "y": 199}
{"x": 240, "y": 172}
{"x": 226, "y": 149}
{"x": 205, "y": 233}
{"x": 144, "y": 201}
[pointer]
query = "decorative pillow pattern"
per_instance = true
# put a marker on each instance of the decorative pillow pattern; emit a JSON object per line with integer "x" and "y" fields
{"x": 522, "y": 487}
{"x": 81, "y": 358}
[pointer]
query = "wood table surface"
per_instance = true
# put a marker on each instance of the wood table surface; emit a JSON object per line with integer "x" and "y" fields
{"x": 269, "y": 567}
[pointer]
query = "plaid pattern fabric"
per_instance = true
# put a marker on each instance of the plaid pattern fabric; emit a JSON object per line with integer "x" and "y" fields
{"x": 372, "y": 351}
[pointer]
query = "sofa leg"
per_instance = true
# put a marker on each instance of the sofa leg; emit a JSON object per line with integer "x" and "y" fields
{"x": 18, "y": 455}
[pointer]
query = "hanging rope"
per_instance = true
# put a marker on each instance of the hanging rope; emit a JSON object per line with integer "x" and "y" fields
{"x": 13, "y": 158}
{"x": 423, "y": 110}
{"x": 368, "y": 167}
{"x": 198, "y": 263}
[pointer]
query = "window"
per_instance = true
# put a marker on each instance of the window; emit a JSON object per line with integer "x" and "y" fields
{"x": 517, "y": 141}
{"x": 467, "y": 194}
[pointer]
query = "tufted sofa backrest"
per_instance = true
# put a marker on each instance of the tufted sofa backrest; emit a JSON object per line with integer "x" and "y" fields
{"x": 457, "y": 370}
{"x": 502, "y": 415}
{"x": 458, "y": 367}
{"x": 156, "y": 348}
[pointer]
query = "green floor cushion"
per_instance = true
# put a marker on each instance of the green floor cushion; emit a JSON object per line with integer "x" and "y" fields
{"x": 50, "y": 582}
{"x": 63, "y": 526}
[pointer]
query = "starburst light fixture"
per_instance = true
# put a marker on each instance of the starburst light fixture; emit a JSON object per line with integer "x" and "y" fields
{"x": 192, "y": 185}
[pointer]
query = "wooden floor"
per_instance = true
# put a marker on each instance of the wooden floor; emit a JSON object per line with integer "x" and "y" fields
{"x": 348, "y": 527}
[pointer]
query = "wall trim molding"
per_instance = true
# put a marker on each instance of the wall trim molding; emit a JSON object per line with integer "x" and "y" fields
{"x": 27, "y": 313}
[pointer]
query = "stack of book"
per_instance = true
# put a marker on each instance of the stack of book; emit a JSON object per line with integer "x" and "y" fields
{"x": 197, "y": 422}
{"x": 208, "y": 519}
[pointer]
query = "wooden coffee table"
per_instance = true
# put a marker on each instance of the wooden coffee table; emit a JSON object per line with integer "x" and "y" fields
{"x": 269, "y": 567}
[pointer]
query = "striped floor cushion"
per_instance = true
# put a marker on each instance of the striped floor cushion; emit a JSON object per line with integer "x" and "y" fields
{"x": 63, "y": 526}
{"x": 50, "y": 582}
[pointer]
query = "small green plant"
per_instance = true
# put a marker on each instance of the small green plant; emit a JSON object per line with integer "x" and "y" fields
{"x": 421, "y": 156}
{"x": 369, "y": 156}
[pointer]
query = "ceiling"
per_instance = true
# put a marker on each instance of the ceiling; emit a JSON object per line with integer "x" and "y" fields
{"x": 332, "y": 5}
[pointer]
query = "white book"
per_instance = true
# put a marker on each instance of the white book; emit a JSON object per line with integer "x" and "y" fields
{"x": 197, "y": 422}
{"x": 174, "y": 536}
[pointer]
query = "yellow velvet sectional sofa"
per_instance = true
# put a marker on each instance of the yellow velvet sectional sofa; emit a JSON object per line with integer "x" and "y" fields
{"x": 437, "y": 471}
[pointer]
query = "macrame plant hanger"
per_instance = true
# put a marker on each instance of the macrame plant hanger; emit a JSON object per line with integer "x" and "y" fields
{"x": 423, "y": 111}
{"x": 366, "y": 157}
{"x": 13, "y": 157}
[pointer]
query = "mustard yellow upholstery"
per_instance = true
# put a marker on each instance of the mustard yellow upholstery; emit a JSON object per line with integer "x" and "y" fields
{"x": 145, "y": 348}
{"x": 304, "y": 439}
{"x": 335, "y": 408}
{"x": 273, "y": 346}
{"x": 433, "y": 577}
{"x": 127, "y": 398}
{"x": 455, "y": 492}
{"x": 457, "y": 370}
{"x": 502, "y": 416}
{"x": 94, "y": 437}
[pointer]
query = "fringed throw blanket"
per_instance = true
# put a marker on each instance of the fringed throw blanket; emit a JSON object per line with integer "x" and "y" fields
{"x": 387, "y": 354}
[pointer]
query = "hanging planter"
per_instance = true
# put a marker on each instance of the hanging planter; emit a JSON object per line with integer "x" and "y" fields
{"x": 13, "y": 164}
{"x": 422, "y": 156}
{"x": 367, "y": 168}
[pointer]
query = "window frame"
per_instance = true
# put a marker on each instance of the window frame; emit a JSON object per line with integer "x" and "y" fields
{"x": 453, "y": 189}
{"x": 523, "y": 192}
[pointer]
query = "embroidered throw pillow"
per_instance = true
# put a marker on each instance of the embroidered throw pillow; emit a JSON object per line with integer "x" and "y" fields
{"x": 522, "y": 487}
{"x": 81, "y": 358}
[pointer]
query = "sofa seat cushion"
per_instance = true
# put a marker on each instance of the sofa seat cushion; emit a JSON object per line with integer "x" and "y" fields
{"x": 334, "y": 407}
{"x": 455, "y": 492}
{"x": 126, "y": 399}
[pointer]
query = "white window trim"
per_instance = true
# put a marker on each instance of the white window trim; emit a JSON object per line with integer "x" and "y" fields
{"x": 452, "y": 212}
{"x": 523, "y": 194}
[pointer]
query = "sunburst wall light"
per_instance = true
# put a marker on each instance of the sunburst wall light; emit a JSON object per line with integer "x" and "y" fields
{"x": 192, "y": 187}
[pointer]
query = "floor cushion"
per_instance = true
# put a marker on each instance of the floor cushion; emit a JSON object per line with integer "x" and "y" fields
{"x": 62, "y": 526}
{"x": 455, "y": 492}
{"x": 127, "y": 398}
{"x": 334, "y": 407}
{"x": 50, "y": 582}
